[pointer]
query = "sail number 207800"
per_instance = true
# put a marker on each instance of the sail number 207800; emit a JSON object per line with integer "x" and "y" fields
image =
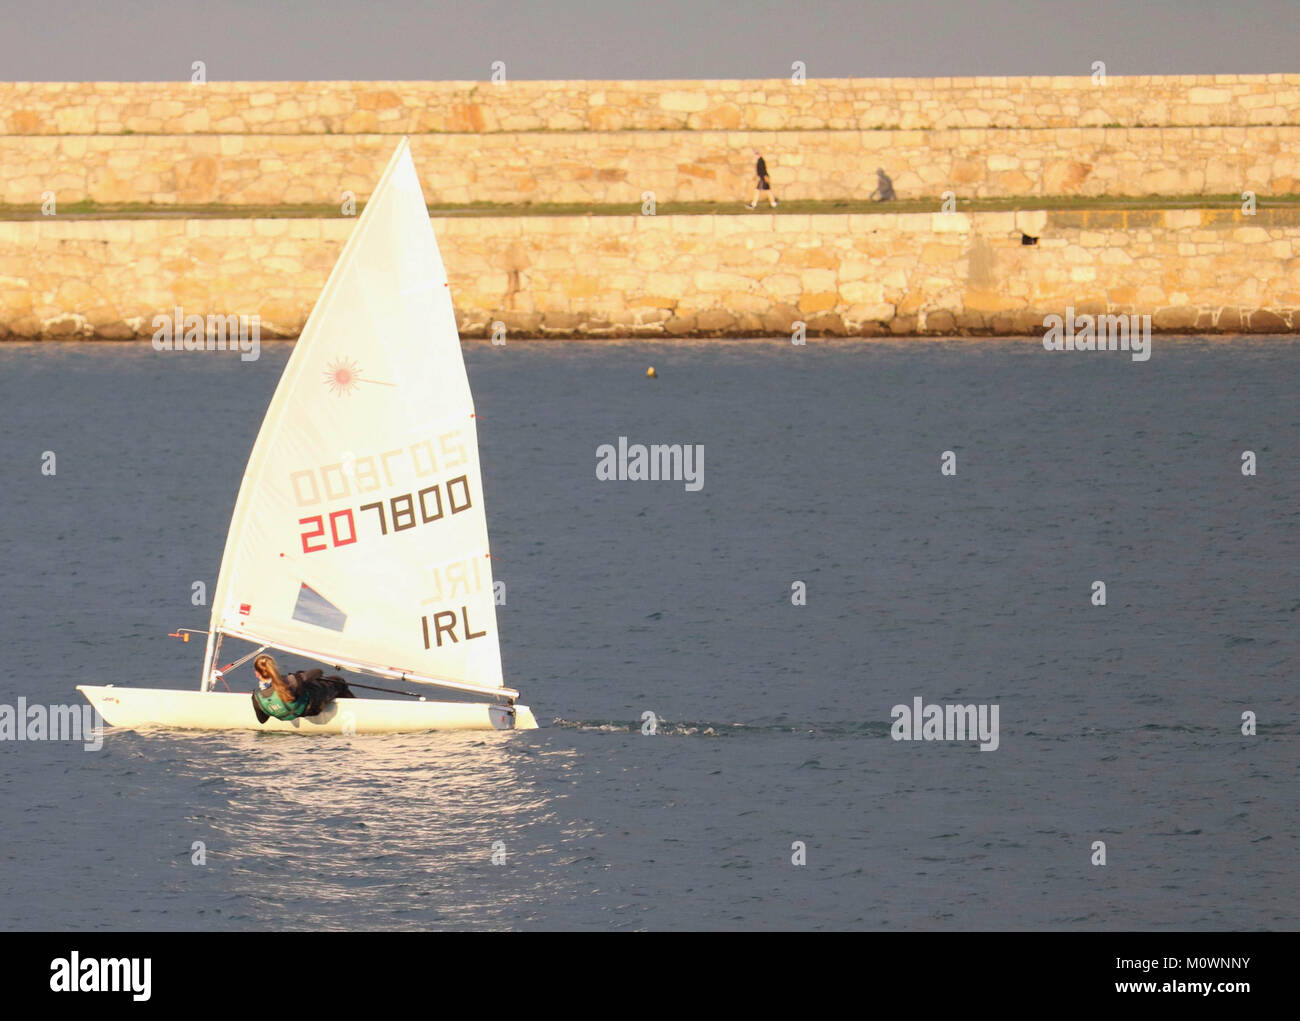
{"x": 403, "y": 510}
{"x": 358, "y": 477}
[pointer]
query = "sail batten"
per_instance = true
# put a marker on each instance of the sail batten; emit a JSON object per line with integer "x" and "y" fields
{"x": 359, "y": 535}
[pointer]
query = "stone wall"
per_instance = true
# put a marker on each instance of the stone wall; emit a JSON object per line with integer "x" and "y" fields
{"x": 294, "y": 108}
{"x": 1199, "y": 270}
{"x": 677, "y": 166}
{"x": 231, "y": 143}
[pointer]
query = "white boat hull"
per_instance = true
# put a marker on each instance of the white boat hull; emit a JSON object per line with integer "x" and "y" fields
{"x": 137, "y": 708}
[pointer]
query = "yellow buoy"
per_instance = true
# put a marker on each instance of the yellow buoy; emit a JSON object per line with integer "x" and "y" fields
{"x": 650, "y": 373}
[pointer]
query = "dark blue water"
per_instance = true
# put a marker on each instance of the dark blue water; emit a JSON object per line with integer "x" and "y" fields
{"x": 1119, "y": 723}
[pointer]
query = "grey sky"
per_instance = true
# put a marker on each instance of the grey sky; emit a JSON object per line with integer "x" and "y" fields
{"x": 156, "y": 40}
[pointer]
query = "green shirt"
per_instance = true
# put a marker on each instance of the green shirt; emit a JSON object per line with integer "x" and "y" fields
{"x": 273, "y": 705}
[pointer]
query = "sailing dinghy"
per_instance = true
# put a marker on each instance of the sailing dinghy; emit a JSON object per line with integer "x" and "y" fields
{"x": 359, "y": 538}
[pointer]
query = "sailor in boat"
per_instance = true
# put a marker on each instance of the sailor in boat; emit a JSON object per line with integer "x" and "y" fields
{"x": 304, "y": 693}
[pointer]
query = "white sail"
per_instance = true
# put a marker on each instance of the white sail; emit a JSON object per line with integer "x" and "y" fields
{"x": 359, "y": 536}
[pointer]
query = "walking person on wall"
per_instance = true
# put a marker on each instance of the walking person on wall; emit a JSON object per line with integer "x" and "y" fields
{"x": 764, "y": 183}
{"x": 884, "y": 188}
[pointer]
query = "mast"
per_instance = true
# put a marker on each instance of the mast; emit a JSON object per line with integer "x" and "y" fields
{"x": 210, "y": 654}
{"x": 205, "y": 683}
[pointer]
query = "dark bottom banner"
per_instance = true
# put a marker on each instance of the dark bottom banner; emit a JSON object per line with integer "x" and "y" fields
{"x": 184, "y": 969}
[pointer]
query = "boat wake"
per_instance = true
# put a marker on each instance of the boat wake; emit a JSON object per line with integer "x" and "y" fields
{"x": 680, "y": 728}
